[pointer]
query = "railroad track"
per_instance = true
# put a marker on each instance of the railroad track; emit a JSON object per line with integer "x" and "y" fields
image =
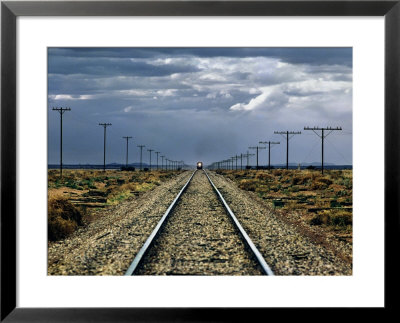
{"x": 198, "y": 235}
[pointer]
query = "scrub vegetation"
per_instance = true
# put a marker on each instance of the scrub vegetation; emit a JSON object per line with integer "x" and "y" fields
{"x": 75, "y": 199}
{"x": 319, "y": 200}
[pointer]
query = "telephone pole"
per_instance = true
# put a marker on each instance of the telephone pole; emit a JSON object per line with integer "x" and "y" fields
{"x": 61, "y": 111}
{"x": 150, "y": 150}
{"x": 105, "y": 125}
{"x": 141, "y": 148}
{"x": 127, "y": 138}
{"x": 257, "y": 147}
{"x": 157, "y": 152}
{"x": 322, "y": 136}
{"x": 162, "y": 162}
{"x": 287, "y": 133}
{"x": 269, "y": 150}
{"x": 247, "y": 155}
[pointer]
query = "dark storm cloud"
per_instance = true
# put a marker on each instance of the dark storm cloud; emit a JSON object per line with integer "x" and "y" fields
{"x": 111, "y": 66}
{"x": 293, "y": 55}
{"x": 196, "y": 103}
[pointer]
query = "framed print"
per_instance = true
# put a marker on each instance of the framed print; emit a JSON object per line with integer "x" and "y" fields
{"x": 147, "y": 99}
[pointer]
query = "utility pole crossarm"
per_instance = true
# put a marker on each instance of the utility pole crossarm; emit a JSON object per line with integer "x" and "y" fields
{"x": 257, "y": 148}
{"x": 319, "y": 128}
{"x": 61, "y": 110}
{"x": 322, "y": 136}
{"x": 269, "y": 149}
{"x": 269, "y": 142}
{"x": 285, "y": 134}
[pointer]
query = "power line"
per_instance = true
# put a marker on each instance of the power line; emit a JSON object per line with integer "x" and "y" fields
{"x": 338, "y": 151}
{"x": 287, "y": 133}
{"x": 105, "y": 125}
{"x": 304, "y": 160}
{"x": 269, "y": 150}
{"x": 257, "y": 148}
{"x": 322, "y": 136}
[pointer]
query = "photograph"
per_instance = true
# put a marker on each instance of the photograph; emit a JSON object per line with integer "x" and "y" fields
{"x": 200, "y": 161}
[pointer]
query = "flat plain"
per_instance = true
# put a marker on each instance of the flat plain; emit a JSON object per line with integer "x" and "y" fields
{"x": 300, "y": 220}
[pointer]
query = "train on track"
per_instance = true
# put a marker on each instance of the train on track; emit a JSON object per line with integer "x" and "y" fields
{"x": 199, "y": 165}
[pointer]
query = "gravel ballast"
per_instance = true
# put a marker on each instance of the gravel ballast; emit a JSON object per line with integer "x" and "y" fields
{"x": 286, "y": 249}
{"x": 199, "y": 239}
{"x": 108, "y": 245}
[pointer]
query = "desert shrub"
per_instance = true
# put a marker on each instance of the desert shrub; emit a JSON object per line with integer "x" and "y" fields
{"x": 335, "y": 174}
{"x": 63, "y": 218}
{"x": 87, "y": 183}
{"x": 296, "y": 180}
{"x": 334, "y": 203}
{"x": 341, "y": 219}
{"x": 128, "y": 168}
{"x": 264, "y": 176}
{"x": 302, "y": 179}
{"x": 325, "y": 180}
{"x": 277, "y": 172}
{"x": 248, "y": 184}
{"x": 347, "y": 182}
{"x": 321, "y": 183}
{"x": 320, "y": 218}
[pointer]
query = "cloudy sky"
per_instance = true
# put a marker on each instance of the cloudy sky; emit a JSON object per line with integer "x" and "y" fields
{"x": 194, "y": 104}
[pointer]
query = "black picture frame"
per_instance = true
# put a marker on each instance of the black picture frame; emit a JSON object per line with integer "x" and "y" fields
{"x": 10, "y": 10}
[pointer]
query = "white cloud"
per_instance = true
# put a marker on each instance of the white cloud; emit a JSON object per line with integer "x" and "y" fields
{"x": 168, "y": 92}
{"x": 70, "y": 97}
{"x": 256, "y": 102}
{"x": 213, "y": 77}
{"x": 128, "y": 109}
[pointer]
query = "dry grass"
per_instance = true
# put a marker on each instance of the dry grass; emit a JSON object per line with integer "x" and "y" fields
{"x": 77, "y": 198}
{"x": 63, "y": 218}
{"x": 322, "y": 200}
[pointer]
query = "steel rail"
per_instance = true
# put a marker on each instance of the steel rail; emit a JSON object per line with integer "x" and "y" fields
{"x": 142, "y": 252}
{"x": 266, "y": 269}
